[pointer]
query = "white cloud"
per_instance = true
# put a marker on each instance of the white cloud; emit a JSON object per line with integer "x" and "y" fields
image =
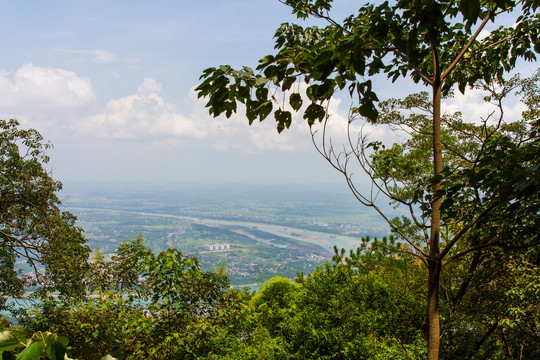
{"x": 144, "y": 115}
{"x": 147, "y": 116}
{"x": 40, "y": 87}
{"x": 483, "y": 34}
{"x": 149, "y": 87}
{"x": 474, "y": 108}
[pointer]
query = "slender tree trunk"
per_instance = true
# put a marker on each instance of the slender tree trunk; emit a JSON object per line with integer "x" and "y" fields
{"x": 434, "y": 261}
{"x": 433, "y": 310}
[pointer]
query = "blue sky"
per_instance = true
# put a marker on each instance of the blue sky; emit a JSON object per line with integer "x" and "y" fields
{"x": 110, "y": 84}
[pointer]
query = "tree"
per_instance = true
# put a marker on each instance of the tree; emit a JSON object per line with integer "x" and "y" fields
{"x": 364, "y": 306}
{"x": 32, "y": 226}
{"x": 122, "y": 272}
{"x": 147, "y": 306}
{"x": 435, "y": 43}
{"x": 359, "y": 307}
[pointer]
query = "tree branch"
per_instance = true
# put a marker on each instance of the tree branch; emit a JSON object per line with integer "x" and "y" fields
{"x": 466, "y": 47}
{"x": 466, "y": 228}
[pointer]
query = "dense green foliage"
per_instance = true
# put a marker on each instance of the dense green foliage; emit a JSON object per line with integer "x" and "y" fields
{"x": 32, "y": 226}
{"x": 367, "y": 305}
{"x": 145, "y": 306}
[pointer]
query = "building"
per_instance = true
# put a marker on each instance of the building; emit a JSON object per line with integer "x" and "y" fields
{"x": 216, "y": 247}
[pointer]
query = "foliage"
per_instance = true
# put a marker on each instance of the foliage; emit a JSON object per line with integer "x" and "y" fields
{"x": 275, "y": 305}
{"x": 364, "y": 306}
{"x": 489, "y": 215}
{"x": 170, "y": 310}
{"x": 398, "y": 39}
{"x": 122, "y": 272}
{"x": 32, "y": 226}
{"x": 433, "y": 43}
{"x": 97, "y": 326}
{"x": 344, "y": 310}
{"x": 41, "y": 345}
{"x": 260, "y": 346}
{"x": 501, "y": 326}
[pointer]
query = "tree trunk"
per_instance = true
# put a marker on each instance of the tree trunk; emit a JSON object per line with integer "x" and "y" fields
{"x": 434, "y": 261}
{"x": 433, "y": 310}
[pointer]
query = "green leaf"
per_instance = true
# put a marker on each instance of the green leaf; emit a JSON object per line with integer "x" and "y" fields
{"x": 10, "y": 339}
{"x": 323, "y": 58}
{"x": 283, "y": 118}
{"x": 537, "y": 47}
{"x": 296, "y": 101}
{"x": 368, "y": 110}
{"x": 251, "y": 112}
{"x": 271, "y": 72}
{"x": 261, "y": 81}
{"x": 264, "y": 110}
{"x": 224, "y": 68}
{"x": 470, "y": 9}
{"x": 461, "y": 86}
{"x": 287, "y": 83}
{"x": 314, "y": 112}
{"x": 312, "y": 92}
{"x": 33, "y": 352}
{"x": 261, "y": 94}
{"x": 266, "y": 60}
{"x": 57, "y": 351}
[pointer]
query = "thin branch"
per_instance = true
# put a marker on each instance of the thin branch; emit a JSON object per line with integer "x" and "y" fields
{"x": 368, "y": 168}
{"x": 326, "y": 17}
{"x": 465, "y": 284}
{"x": 356, "y": 193}
{"x": 466, "y": 228}
{"x": 329, "y": 155}
{"x": 466, "y": 47}
{"x": 417, "y": 223}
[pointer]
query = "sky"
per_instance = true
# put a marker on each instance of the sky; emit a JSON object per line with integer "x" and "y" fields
{"x": 111, "y": 85}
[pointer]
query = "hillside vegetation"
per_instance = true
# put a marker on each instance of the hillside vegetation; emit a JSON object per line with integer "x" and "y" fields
{"x": 457, "y": 277}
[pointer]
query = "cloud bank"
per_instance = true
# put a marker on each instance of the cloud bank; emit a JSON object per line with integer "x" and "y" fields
{"x": 147, "y": 116}
{"x": 44, "y": 88}
{"x": 144, "y": 115}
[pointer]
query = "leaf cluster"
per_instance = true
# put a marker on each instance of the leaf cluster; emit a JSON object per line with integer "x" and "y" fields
{"x": 41, "y": 345}
{"x": 399, "y": 39}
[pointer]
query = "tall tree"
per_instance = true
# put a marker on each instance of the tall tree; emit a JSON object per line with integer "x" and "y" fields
{"x": 435, "y": 43}
{"x": 32, "y": 226}
{"x": 489, "y": 214}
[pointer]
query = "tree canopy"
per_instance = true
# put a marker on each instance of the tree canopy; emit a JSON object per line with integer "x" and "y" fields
{"x": 33, "y": 228}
